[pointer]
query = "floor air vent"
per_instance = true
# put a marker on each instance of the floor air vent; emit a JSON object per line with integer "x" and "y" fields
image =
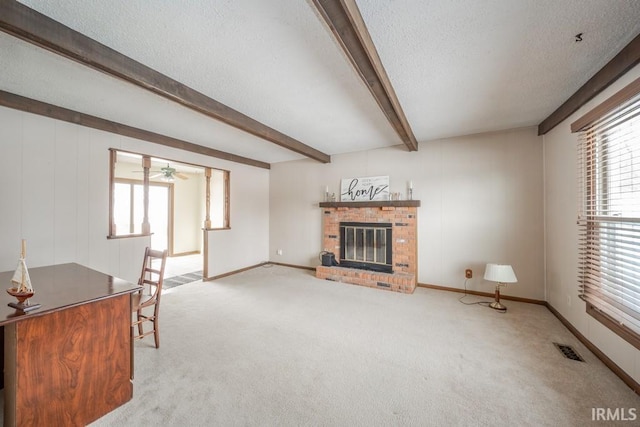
{"x": 568, "y": 352}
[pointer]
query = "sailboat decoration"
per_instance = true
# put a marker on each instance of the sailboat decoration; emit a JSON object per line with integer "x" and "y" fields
{"x": 22, "y": 290}
{"x": 21, "y": 277}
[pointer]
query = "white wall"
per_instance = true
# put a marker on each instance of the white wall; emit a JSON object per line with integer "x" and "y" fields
{"x": 481, "y": 201}
{"x": 54, "y": 193}
{"x": 247, "y": 242}
{"x": 188, "y": 204}
{"x": 561, "y": 200}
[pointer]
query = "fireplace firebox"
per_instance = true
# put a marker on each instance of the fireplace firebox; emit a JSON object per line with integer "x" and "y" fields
{"x": 366, "y": 245}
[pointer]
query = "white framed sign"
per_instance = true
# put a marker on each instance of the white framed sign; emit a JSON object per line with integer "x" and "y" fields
{"x": 364, "y": 189}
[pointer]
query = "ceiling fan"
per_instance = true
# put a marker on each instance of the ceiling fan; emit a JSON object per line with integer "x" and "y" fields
{"x": 167, "y": 174}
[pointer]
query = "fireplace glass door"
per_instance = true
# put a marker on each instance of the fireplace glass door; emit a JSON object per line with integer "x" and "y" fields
{"x": 366, "y": 246}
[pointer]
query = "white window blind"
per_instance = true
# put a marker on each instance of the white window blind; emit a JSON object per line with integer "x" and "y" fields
{"x": 609, "y": 214}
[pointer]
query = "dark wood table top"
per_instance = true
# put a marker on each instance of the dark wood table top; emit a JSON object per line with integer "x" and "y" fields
{"x": 60, "y": 286}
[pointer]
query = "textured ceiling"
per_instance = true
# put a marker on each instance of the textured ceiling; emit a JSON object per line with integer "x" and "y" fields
{"x": 47, "y": 77}
{"x": 458, "y": 67}
{"x": 461, "y": 67}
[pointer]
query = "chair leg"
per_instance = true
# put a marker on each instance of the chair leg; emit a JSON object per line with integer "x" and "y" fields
{"x": 140, "y": 323}
{"x": 156, "y": 333}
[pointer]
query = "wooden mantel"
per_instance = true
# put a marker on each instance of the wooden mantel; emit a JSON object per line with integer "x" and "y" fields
{"x": 373, "y": 204}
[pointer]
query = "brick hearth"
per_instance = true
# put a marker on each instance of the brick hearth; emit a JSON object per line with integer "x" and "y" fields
{"x": 402, "y": 216}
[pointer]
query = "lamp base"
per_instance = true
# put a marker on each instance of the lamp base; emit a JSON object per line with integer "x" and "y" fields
{"x": 497, "y": 306}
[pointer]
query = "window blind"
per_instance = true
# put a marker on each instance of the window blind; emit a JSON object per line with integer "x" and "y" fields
{"x": 609, "y": 214}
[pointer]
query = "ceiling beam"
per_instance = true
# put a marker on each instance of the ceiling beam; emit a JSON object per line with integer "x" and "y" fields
{"x": 349, "y": 29}
{"x": 40, "y": 108}
{"x": 34, "y": 27}
{"x": 626, "y": 59}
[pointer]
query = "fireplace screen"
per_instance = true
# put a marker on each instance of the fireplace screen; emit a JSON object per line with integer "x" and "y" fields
{"x": 366, "y": 246}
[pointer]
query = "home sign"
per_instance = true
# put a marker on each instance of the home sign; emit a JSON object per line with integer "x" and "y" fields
{"x": 364, "y": 189}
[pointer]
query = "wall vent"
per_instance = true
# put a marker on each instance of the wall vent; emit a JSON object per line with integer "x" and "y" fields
{"x": 568, "y": 352}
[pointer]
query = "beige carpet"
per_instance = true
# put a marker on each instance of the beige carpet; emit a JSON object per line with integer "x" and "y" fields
{"x": 276, "y": 346}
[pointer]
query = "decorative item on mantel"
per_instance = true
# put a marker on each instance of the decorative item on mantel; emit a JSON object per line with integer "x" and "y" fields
{"x": 329, "y": 197}
{"x": 364, "y": 189}
{"x": 23, "y": 290}
{"x": 410, "y": 192}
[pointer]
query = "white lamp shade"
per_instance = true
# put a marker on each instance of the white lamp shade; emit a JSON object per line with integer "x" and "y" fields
{"x": 502, "y": 273}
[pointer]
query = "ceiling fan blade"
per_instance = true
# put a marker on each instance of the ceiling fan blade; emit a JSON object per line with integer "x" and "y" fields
{"x": 180, "y": 175}
{"x": 156, "y": 175}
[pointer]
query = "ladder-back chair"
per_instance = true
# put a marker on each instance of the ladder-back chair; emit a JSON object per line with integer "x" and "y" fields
{"x": 149, "y": 296}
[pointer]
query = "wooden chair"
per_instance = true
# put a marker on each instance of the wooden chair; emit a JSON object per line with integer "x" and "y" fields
{"x": 144, "y": 299}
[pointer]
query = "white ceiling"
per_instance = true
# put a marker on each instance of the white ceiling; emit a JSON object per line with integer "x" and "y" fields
{"x": 458, "y": 67}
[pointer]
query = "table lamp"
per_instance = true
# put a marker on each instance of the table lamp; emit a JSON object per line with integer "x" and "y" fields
{"x": 502, "y": 274}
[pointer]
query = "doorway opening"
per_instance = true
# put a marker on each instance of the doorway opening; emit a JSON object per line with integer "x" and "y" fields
{"x": 171, "y": 202}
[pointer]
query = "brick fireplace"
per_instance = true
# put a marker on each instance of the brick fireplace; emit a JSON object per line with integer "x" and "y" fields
{"x": 401, "y": 215}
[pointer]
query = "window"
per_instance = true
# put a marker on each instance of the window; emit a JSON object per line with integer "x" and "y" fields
{"x": 127, "y": 209}
{"x": 609, "y": 214}
{"x": 217, "y": 215}
{"x": 165, "y": 199}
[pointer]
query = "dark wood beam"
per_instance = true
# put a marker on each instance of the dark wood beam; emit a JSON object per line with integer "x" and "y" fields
{"x": 347, "y": 25}
{"x": 34, "y": 27}
{"x": 626, "y": 59}
{"x": 33, "y": 106}
{"x": 613, "y": 102}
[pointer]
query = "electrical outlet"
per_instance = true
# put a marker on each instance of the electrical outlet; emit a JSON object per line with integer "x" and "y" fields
{"x": 468, "y": 273}
{"x": 279, "y": 252}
